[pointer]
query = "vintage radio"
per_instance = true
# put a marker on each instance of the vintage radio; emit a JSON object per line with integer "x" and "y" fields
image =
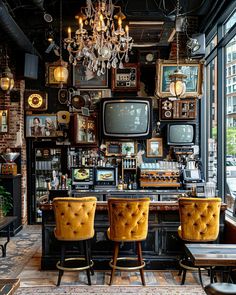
{"x": 184, "y": 109}
{"x": 159, "y": 178}
{"x": 125, "y": 79}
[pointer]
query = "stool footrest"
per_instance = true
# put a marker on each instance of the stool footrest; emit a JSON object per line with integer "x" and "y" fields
{"x": 184, "y": 264}
{"x": 127, "y": 268}
{"x": 66, "y": 268}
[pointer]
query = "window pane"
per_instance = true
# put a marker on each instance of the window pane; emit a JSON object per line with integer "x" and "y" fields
{"x": 212, "y": 141}
{"x": 231, "y": 122}
{"x": 230, "y": 22}
{"x": 211, "y": 45}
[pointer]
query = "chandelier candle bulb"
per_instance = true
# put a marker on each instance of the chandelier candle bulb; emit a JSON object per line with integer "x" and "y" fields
{"x": 69, "y": 33}
{"x": 127, "y": 30}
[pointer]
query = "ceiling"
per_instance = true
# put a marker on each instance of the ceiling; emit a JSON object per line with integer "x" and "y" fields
{"x": 23, "y": 25}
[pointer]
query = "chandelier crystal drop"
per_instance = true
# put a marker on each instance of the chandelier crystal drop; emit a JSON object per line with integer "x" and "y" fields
{"x": 100, "y": 40}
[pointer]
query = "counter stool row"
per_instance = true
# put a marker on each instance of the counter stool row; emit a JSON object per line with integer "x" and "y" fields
{"x": 128, "y": 220}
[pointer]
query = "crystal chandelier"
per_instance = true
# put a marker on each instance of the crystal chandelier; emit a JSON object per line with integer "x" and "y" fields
{"x": 177, "y": 84}
{"x": 100, "y": 41}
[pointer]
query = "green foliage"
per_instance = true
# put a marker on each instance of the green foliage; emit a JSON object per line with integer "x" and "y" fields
{"x": 6, "y": 199}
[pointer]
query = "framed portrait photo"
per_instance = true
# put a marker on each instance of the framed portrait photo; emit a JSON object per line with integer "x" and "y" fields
{"x": 41, "y": 125}
{"x": 85, "y": 78}
{"x": 154, "y": 147}
{"x": 4, "y": 120}
{"x": 193, "y": 70}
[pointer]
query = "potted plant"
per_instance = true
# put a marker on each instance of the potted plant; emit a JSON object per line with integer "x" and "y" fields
{"x": 128, "y": 149}
{"x": 5, "y": 201}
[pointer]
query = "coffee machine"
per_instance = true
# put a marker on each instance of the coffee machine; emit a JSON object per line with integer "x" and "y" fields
{"x": 10, "y": 167}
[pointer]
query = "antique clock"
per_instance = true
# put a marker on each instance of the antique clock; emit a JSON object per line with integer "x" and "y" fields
{"x": 35, "y": 100}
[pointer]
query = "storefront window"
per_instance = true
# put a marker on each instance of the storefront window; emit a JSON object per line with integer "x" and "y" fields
{"x": 212, "y": 141}
{"x": 231, "y": 120}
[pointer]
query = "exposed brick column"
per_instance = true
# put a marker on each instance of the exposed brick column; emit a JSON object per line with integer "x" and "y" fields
{"x": 16, "y": 131}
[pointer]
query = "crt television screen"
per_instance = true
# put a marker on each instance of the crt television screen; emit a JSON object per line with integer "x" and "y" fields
{"x": 127, "y": 118}
{"x": 105, "y": 175}
{"x": 181, "y": 134}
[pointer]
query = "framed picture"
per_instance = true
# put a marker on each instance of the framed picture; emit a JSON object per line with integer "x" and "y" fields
{"x": 193, "y": 70}
{"x": 4, "y": 120}
{"x": 128, "y": 148}
{"x": 127, "y": 78}
{"x": 154, "y": 147}
{"x": 41, "y": 125}
{"x": 49, "y": 73}
{"x": 85, "y": 78}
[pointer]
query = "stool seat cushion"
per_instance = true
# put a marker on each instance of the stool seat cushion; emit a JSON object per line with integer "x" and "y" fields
{"x": 74, "y": 218}
{"x": 220, "y": 289}
{"x": 128, "y": 219}
{"x": 199, "y": 219}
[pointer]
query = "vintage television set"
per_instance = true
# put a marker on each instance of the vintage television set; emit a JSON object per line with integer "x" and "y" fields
{"x": 181, "y": 134}
{"x": 106, "y": 177}
{"x": 82, "y": 177}
{"x": 127, "y": 117}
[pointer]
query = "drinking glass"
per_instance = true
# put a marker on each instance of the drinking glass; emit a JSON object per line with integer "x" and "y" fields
{"x": 210, "y": 189}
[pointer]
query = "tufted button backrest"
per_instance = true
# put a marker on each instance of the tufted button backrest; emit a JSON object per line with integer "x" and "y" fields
{"x": 128, "y": 218}
{"x": 199, "y": 219}
{"x": 74, "y": 218}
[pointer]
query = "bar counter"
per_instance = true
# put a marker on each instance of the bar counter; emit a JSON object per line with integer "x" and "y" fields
{"x": 161, "y": 249}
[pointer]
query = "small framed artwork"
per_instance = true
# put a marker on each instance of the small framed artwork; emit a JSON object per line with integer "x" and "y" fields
{"x": 85, "y": 78}
{"x": 128, "y": 148}
{"x": 192, "y": 69}
{"x": 49, "y": 73}
{"x": 4, "y": 120}
{"x": 41, "y": 125}
{"x": 127, "y": 78}
{"x": 154, "y": 147}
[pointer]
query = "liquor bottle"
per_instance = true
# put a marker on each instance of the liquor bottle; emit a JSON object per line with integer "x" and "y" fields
{"x": 135, "y": 186}
{"x": 120, "y": 184}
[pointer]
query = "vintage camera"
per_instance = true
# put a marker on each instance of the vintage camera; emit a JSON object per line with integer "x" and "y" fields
{"x": 178, "y": 109}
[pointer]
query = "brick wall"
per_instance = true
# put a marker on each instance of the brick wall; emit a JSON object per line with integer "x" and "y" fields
{"x": 14, "y": 138}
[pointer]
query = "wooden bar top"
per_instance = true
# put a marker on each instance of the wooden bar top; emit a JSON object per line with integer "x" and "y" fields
{"x": 212, "y": 254}
{"x": 154, "y": 206}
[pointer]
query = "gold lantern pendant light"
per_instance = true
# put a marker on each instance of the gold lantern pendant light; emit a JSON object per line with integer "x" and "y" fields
{"x": 177, "y": 83}
{"x": 61, "y": 72}
{"x": 6, "y": 78}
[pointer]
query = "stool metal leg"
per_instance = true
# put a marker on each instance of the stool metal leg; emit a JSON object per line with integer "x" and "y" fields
{"x": 140, "y": 259}
{"x": 62, "y": 259}
{"x": 90, "y": 256}
{"x": 86, "y": 255}
{"x": 115, "y": 255}
{"x": 200, "y": 276}
{"x": 183, "y": 276}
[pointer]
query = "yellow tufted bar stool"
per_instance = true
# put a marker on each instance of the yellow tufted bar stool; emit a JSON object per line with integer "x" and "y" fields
{"x": 199, "y": 223}
{"x": 74, "y": 223}
{"x": 128, "y": 223}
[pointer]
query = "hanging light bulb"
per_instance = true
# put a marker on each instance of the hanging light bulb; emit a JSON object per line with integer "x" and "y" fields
{"x": 177, "y": 79}
{"x": 61, "y": 72}
{"x": 6, "y": 78}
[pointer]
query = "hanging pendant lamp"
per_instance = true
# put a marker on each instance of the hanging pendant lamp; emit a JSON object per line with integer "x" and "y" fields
{"x": 61, "y": 72}
{"x": 177, "y": 79}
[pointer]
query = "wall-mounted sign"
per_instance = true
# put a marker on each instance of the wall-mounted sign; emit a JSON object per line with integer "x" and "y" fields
{"x": 36, "y": 100}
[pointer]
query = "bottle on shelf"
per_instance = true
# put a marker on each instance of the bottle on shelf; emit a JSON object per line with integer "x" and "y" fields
{"x": 135, "y": 186}
{"x": 120, "y": 184}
